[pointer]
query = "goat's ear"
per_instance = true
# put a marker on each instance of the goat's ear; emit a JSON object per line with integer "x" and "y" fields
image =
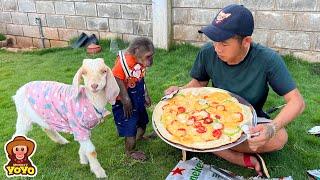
{"x": 112, "y": 89}
{"x": 76, "y": 81}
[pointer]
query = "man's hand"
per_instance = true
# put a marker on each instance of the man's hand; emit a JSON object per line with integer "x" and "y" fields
{"x": 127, "y": 107}
{"x": 171, "y": 89}
{"x": 147, "y": 100}
{"x": 266, "y": 132}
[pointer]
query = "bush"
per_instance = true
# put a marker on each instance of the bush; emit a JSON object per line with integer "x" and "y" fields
{"x": 2, "y": 37}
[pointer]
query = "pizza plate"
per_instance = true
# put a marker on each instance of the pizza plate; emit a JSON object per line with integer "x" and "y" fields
{"x": 242, "y": 138}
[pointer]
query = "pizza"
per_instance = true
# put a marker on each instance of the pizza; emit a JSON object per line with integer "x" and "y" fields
{"x": 201, "y": 118}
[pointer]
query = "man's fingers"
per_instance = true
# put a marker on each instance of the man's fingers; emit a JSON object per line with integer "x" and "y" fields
{"x": 260, "y": 140}
{"x": 256, "y": 128}
{"x": 257, "y": 138}
{"x": 170, "y": 90}
{"x": 257, "y": 142}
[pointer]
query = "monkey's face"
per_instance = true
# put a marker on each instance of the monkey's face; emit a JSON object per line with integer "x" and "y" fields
{"x": 20, "y": 151}
{"x": 146, "y": 58}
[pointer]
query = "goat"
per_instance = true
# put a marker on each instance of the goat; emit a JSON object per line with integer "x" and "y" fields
{"x": 76, "y": 109}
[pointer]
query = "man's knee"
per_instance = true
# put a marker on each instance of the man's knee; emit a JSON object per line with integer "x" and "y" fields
{"x": 280, "y": 140}
{"x": 276, "y": 143}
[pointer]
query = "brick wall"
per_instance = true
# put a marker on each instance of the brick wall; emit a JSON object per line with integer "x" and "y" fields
{"x": 289, "y": 26}
{"x": 63, "y": 20}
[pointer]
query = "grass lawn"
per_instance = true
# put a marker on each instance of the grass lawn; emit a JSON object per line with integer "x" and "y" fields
{"x": 170, "y": 68}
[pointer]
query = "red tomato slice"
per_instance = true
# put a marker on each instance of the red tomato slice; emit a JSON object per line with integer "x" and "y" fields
{"x": 201, "y": 129}
{"x": 217, "y": 116}
{"x": 181, "y": 109}
{"x": 191, "y": 120}
{"x": 208, "y": 120}
{"x": 197, "y": 124}
{"x": 216, "y": 133}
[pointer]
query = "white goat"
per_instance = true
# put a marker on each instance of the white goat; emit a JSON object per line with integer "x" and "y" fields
{"x": 75, "y": 109}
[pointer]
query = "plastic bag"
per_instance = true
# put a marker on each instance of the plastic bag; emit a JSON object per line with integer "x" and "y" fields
{"x": 195, "y": 169}
{"x": 314, "y": 174}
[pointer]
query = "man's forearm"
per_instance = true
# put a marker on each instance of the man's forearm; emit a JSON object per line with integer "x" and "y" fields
{"x": 295, "y": 105}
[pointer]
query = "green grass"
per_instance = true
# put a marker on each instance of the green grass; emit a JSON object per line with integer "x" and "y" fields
{"x": 2, "y": 37}
{"x": 170, "y": 68}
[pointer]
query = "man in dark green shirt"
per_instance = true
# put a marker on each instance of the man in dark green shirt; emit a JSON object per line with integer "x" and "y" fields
{"x": 235, "y": 63}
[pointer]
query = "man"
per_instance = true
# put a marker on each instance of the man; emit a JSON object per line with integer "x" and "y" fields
{"x": 234, "y": 63}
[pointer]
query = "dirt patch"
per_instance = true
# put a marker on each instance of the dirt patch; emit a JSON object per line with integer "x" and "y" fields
{"x": 19, "y": 49}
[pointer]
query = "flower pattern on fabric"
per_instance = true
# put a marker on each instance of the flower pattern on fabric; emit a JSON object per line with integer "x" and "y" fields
{"x": 136, "y": 71}
{"x": 56, "y": 104}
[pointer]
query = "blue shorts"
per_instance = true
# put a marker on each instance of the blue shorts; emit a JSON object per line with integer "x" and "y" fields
{"x": 127, "y": 127}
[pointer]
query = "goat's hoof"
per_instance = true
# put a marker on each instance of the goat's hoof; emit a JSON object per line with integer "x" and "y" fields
{"x": 100, "y": 173}
{"x": 63, "y": 141}
{"x": 84, "y": 161}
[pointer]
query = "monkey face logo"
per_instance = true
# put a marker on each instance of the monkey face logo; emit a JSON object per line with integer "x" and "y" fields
{"x": 18, "y": 151}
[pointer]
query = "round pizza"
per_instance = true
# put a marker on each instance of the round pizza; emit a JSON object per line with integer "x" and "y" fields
{"x": 201, "y": 118}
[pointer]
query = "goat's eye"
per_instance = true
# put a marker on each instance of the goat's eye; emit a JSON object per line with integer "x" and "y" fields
{"x": 103, "y": 71}
{"x": 84, "y": 72}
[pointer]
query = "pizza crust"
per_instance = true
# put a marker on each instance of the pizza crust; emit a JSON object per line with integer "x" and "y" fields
{"x": 161, "y": 129}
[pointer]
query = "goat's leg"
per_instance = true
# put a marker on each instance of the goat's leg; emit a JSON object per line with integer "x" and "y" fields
{"x": 23, "y": 125}
{"x": 55, "y": 136}
{"x": 91, "y": 154}
{"x": 83, "y": 157}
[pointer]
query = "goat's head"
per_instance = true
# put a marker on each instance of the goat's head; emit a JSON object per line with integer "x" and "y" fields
{"x": 97, "y": 76}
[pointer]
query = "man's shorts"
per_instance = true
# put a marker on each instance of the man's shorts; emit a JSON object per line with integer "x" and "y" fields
{"x": 262, "y": 120}
{"x": 128, "y": 127}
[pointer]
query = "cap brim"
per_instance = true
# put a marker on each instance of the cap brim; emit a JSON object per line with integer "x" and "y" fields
{"x": 215, "y": 34}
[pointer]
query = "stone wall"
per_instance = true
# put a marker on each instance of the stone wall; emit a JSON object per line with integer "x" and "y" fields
{"x": 289, "y": 26}
{"x": 63, "y": 20}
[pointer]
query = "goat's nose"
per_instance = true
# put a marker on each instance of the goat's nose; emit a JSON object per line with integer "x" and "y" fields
{"x": 94, "y": 86}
